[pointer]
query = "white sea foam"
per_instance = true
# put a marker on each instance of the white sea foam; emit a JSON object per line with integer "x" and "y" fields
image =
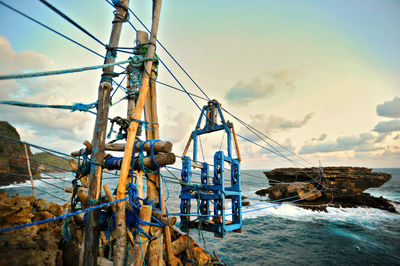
{"x": 18, "y": 185}
{"x": 365, "y": 216}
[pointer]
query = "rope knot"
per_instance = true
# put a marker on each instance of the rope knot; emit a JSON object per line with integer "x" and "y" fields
{"x": 83, "y": 107}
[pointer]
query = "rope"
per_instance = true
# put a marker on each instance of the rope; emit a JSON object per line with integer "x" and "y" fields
{"x": 53, "y": 30}
{"x": 71, "y": 21}
{"x": 75, "y": 107}
{"x": 60, "y": 217}
{"x": 163, "y": 62}
{"x": 162, "y": 46}
{"x": 60, "y": 72}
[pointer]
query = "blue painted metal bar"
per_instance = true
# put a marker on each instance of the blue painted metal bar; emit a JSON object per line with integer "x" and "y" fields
{"x": 215, "y": 190}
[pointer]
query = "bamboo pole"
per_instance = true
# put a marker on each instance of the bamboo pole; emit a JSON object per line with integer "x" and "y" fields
{"x": 29, "y": 170}
{"x": 121, "y": 189}
{"x": 92, "y": 224}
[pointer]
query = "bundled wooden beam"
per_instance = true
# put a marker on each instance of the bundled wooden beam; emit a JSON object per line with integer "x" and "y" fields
{"x": 163, "y": 159}
{"x": 159, "y": 146}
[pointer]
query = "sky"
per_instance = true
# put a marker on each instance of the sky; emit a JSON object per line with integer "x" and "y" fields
{"x": 322, "y": 78}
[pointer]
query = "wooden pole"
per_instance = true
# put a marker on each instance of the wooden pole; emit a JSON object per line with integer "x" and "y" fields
{"x": 121, "y": 189}
{"x": 92, "y": 230}
{"x": 150, "y": 112}
{"x": 187, "y": 146}
{"x": 110, "y": 197}
{"x": 139, "y": 184}
{"x": 29, "y": 170}
{"x": 140, "y": 249}
{"x": 236, "y": 144}
{"x": 153, "y": 184}
{"x": 155, "y": 249}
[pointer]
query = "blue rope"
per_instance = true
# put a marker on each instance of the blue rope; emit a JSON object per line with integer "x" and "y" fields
{"x": 189, "y": 94}
{"x": 71, "y": 21}
{"x": 60, "y": 217}
{"x": 284, "y": 203}
{"x": 153, "y": 159}
{"x": 141, "y": 250}
{"x": 75, "y": 107}
{"x": 162, "y": 46}
{"x": 116, "y": 89}
{"x": 166, "y": 66}
{"x": 60, "y": 72}
{"x": 47, "y": 27}
{"x": 145, "y": 123}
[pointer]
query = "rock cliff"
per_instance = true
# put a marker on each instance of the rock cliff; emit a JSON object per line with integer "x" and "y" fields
{"x": 333, "y": 186}
{"x": 13, "y": 164}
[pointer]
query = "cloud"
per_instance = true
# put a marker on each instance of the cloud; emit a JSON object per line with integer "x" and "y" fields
{"x": 389, "y": 108}
{"x": 359, "y": 143}
{"x": 382, "y": 137}
{"x": 322, "y": 137}
{"x": 178, "y": 128}
{"x": 275, "y": 123}
{"x": 262, "y": 86}
{"x": 11, "y": 61}
{"x": 45, "y": 125}
{"x": 387, "y": 126}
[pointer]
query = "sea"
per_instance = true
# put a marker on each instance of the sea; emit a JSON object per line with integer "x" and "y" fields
{"x": 280, "y": 234}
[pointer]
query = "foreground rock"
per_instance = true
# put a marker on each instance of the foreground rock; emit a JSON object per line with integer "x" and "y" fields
{"x": 36, "y": 245}
{"x": 45, "y": 244}
{"x": 13, "y": 164}
{"x": 336, "y": 186}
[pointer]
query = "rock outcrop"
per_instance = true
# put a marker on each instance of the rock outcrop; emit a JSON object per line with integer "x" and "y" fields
{"x": 300, "y": 190}
{"x": 13, "y": 163}
{"x": 341, "y": 181}
{"x": 44, "y": 244}
{"x": 35, "y": 245}
{"x": 334, "y": 186}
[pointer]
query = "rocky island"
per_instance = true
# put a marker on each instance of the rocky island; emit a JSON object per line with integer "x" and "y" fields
{"x": 316, "y": 189}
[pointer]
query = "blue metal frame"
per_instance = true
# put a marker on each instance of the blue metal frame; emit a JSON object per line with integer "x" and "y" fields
{"x": 211, "y": 220}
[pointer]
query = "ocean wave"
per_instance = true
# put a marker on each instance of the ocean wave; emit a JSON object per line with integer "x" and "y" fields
{"x": 18, "y": 185}
{"x": 365, "y": 216}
